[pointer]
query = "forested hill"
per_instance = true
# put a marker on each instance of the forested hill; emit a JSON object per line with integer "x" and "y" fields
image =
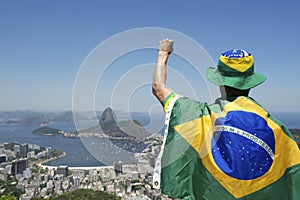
{"x": 111, "y": 127}
{"x": 81, "y": 194}
{"x": 45, "y": 130}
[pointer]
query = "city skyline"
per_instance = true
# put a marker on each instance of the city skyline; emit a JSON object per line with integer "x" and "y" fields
{"x": 44, "y": 45}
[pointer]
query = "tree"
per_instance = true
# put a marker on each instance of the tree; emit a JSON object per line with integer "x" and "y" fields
{"x": 82, "y": 194}
{"x": 10, "y": 189}
{"x": 9, "y": 196}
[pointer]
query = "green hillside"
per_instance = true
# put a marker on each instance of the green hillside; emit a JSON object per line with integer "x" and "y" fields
{"x": 45, "y": 130}
{"x": 83, "y": 194}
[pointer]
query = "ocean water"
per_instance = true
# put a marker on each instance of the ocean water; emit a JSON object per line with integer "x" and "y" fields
{"x": 94, "y": 151}
{"x": 77, "y": 154}
{"x": 290, "y": 119}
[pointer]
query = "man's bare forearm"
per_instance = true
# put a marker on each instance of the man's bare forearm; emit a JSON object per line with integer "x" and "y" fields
{"x": 159, "y": 88}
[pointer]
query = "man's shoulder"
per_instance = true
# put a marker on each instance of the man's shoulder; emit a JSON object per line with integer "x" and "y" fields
{"x": 188, "y": 104}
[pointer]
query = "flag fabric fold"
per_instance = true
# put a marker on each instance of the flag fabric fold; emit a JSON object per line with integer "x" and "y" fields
{"x": 233, "y": 149}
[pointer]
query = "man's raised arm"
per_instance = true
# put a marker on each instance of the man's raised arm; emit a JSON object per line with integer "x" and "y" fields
{"x": 159, "y": 88}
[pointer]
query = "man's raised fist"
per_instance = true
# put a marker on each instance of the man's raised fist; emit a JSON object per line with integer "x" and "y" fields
{"x": 166, "y": 45}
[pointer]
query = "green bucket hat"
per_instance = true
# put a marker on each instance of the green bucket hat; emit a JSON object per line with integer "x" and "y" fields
{"x": 235, "y": 69}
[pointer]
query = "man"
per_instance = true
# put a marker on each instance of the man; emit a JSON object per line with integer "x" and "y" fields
{"x": 232, "y": 149}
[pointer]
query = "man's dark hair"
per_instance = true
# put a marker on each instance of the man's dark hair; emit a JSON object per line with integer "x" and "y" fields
{"x": 231, "y": 91}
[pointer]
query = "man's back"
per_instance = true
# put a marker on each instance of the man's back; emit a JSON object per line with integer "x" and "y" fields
{"x": 231, "y": 149}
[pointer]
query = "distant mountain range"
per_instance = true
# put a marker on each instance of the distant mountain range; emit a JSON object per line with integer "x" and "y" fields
{"x": 107, "y": 121}
{"x": 108, "y": 125}
{"x": 28, "y": 117}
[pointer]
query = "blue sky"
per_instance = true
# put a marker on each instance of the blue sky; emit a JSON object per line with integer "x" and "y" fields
{"x": 44, "y": 43}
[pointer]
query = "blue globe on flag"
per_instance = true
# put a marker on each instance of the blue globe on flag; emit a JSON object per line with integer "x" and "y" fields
{"x": 243, "y": 145}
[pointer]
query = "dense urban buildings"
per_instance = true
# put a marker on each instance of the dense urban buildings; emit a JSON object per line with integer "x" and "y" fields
{"x": 23, "y": 162}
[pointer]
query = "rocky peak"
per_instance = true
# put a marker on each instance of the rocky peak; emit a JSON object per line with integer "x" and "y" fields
{"x": 107, "y": 115}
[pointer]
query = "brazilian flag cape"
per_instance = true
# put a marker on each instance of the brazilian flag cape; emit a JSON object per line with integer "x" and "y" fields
{"x": 233, "y": 149}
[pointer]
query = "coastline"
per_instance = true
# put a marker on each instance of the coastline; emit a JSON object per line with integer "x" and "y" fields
{"x": 43, "y": 166}
{"x": 42, "y": 162}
